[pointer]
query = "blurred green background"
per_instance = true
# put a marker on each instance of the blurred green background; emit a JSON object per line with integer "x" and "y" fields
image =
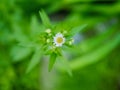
{"x": 95, "y": 61}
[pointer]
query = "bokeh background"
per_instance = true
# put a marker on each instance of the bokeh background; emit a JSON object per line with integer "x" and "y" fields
{"x": 95, "y": 61}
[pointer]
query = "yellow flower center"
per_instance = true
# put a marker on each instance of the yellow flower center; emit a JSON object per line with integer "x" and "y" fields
{"x": 59, "y": 40}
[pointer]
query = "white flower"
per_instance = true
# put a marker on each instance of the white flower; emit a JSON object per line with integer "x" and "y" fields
{"x": 59, "y": 40}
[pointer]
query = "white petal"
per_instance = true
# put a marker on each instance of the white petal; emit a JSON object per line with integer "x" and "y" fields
{"x": 55, "y": 40}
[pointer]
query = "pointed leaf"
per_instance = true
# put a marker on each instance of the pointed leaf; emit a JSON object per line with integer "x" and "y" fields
{"x": 45, "y": 19}
{"x": 18, "y": 34}
{"x": 77, "y": 29}
{"x": 36, "y": 27}
{"x": 66, "y": 66}
{"x": 35, "y": 60}
{"x": 19, "y": 53}
{"x": 52, "y": 61}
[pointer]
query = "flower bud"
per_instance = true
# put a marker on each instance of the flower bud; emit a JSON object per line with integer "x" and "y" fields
{"x": 64, "y": 32}
{"x": 71, "y": 41}
{"x": 48, "y": 40}
{"x": 48, "y": 30}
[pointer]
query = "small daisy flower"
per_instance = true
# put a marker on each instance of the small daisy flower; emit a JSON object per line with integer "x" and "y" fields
{"x": 59, "y": 40}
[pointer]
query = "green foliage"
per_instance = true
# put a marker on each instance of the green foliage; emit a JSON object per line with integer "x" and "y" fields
{"x": 52, "y": 60}
{"x": 21, "y": 53}
{"x": 64, "y": 66}
{"x": 45, "y": 19}
{"x": 35, "y": 59}
{"x": 93, "y": 60}
{"x": 48, "y": 35}
{"x": 96, "y": 55}
{"x": 78, "y": 29}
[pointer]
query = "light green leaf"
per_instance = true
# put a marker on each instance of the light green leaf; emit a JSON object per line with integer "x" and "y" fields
{"x": 36, "y": 27}
{"x": 52, "y": 61}
{"x": 77, "y": 29}
{"x": 35, "y": 60}
{"x": 91, "y": 43}
{"x": 45, "y": 19}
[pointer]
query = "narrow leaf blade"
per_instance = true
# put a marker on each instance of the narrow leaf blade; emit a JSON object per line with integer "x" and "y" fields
{"x": 77, "y": 29}
{"x": 66, "y": 66}
{"x": 45, "y": 19}
{"x": 35, "y": 60}
{"x": 52, "y": 61}
{"x": 19, "y": 53}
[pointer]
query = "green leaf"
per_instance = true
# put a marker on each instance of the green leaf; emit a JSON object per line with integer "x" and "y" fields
{"x": 35, "y": 27}
{"x": 19, "y": 53}
{"x": 45, "y": 19}
{"x": 59, "y": 51}
{"x": 27, "y": 44}
{"x": 48, "y": 52}
{"x": 35, "y": 60}
{"x": 91, "y": 43}
{"x": 77, "y": 29}
{"x": 65, "y": 66}
{"x": 52, "y": 60}
{"x": 96, "y": 55}
{"x": 18, "y": 34}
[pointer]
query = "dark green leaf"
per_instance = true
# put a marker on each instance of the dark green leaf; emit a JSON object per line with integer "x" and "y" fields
{"x": 52, "y": 61}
